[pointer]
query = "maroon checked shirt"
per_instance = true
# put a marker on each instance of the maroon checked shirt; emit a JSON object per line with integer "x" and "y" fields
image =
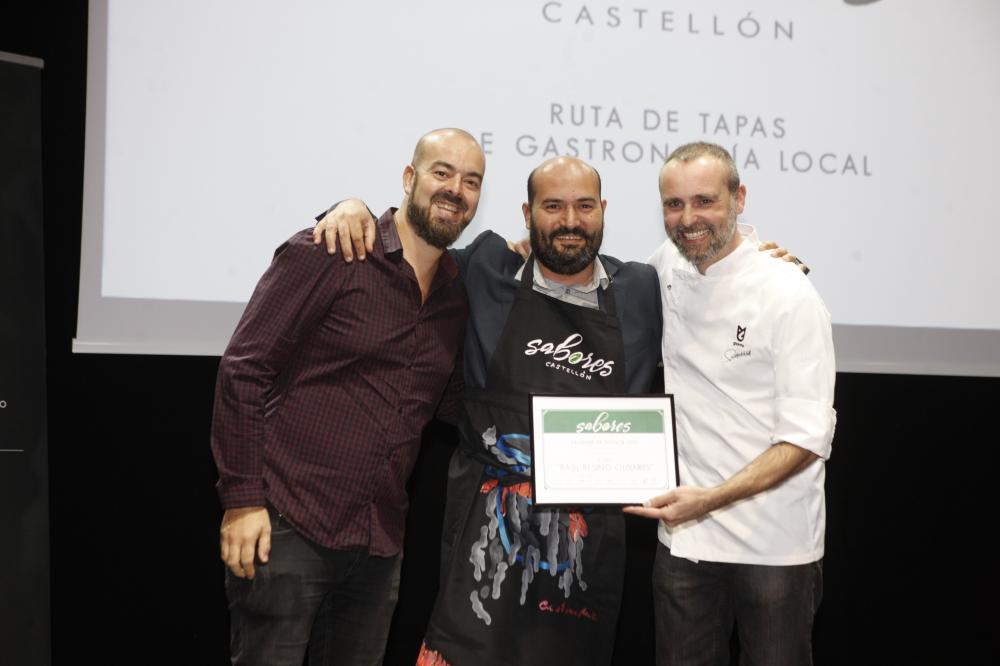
{"x": 327, "y": 383}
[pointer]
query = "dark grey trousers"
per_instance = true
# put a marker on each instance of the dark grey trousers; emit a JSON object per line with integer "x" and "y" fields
{"x": 336, "y": 603}
{"x": 698, "y": 603}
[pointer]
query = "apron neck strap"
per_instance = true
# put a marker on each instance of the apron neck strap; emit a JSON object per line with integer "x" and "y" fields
{"x": 605, "y": 297}
{"x": 528, "y": 274}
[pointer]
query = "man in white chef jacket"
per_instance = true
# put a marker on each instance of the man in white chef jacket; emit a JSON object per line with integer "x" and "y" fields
{"x": 748, "y": 354}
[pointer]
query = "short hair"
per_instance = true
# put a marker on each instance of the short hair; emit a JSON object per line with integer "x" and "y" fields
{"x": 692, "y": 151}
{"x": 531, "y": 180}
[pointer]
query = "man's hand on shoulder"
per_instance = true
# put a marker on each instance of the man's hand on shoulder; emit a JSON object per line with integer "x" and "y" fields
{"x": 781, "y": 253}
{"x": 349, "y": 225}
{"x": 245, "y": 531}
{"x": 522, "y": 247}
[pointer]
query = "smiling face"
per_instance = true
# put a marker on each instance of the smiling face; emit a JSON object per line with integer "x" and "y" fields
{"x": 565, "y": 216}
{"x": 699, "y": 210}
{"x": 442, "y": 186}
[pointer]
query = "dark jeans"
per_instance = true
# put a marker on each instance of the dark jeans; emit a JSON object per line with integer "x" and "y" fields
{"x": 697, "y": 604}
{"x": 337, "y": 603}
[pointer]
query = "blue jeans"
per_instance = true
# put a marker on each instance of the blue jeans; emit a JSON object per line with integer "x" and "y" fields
{"x": 336, "y": 603}
{"x": 697, "y": 604}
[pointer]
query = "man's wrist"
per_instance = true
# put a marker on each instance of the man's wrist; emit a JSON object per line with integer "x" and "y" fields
{"x": 716, "y": 498}
{"x": 326, "y": 212}
{"x": 329, "y": 210}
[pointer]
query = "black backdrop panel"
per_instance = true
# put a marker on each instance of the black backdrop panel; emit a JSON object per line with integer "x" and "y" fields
{"x": 24, "y": 508}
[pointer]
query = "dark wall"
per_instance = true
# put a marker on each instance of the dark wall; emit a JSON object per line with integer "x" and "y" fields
{"x": 24, "y": 494}
{"x": 135, "y": 575}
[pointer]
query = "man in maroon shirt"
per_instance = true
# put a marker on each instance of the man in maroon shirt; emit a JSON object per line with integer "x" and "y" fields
{"x": 315, "y": 495}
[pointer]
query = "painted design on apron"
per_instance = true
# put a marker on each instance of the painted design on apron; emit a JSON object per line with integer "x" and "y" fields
{"x": 549, "y": 541}
{"x": 428, "y": 657}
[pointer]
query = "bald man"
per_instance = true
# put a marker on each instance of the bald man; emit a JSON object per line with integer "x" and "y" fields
{"x": 315, "y": 497}
{"x": 520, "y": 585}
{"x": 552, "y": 578}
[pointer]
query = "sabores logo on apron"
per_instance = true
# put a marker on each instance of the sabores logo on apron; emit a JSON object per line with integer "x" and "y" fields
{"x": 564, "y": 357}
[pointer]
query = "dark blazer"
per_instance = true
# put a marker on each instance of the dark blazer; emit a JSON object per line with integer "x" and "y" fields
{"x": 488, "y": 267}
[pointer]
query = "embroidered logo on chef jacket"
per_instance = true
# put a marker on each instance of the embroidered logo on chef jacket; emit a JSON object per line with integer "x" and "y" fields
{"x": 565, "y": 357}
{"x": 738, "y": 349}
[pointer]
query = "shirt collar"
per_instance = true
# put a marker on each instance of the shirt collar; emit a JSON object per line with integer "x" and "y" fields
{"x": 392, "y": 246}
{"x": 598, "y": 279}
{"x": 387, "y": 232}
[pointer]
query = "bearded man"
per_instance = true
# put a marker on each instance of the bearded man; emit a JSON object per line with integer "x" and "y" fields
{"x": 315, "y": 496}
{"x": 520, "y": 585}
{"x": 748, "y": 356}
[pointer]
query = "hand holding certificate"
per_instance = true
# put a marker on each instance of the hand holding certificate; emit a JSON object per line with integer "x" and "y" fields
{"x": 602, "y": 450}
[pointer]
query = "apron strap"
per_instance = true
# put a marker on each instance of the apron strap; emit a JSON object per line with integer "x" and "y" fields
{"x": 605, "y": 297}
{"x": 528, "y": 273}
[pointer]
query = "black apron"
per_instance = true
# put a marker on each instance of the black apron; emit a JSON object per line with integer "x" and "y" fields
{"x": 518, "y": 585}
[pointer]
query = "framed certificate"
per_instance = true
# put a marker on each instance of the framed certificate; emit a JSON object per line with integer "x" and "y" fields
{"x": 602, "y": 449}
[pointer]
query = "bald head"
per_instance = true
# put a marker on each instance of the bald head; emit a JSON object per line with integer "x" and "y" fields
{"x": 442, "y": 185}
{"x": 438, "y": 140}
{"x": 565, "y": 215}
{"x": 562, "y": 168}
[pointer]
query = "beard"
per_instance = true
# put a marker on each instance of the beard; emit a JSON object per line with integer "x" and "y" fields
{"x": 434, "y": 232}
{"x": 719, "y": 240}
{"x": 567, "y": 261}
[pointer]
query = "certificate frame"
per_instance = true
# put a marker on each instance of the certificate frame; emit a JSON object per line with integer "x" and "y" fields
{"x": 611, "y": 450}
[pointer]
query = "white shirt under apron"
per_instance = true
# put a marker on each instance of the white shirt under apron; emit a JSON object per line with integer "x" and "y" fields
{"x": 748, "y": 355}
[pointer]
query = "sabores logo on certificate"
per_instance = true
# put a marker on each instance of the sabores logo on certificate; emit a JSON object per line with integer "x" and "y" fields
{"x": 602, "y": 450}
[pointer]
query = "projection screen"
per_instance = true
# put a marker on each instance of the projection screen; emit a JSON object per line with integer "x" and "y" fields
{"x": 865, "y": 132}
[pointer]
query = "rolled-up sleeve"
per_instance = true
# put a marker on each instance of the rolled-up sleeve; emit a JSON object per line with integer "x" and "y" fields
{"x": 805, "y": 373}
